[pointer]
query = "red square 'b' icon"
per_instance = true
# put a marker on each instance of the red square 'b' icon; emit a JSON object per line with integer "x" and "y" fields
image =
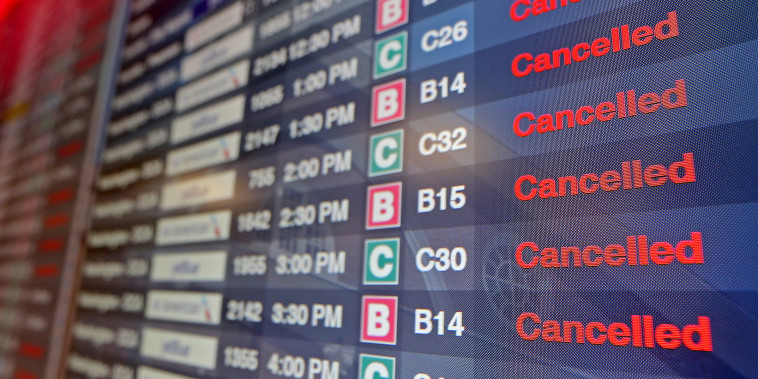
{"x": 383, "y": 206}
{"x": 390, "y": 14}
{"x": 379, "y": 319}
{"x": 388, "y": 102}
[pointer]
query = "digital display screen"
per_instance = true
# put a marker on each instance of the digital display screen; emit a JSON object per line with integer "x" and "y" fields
{"x": 424, "y": 189}
{"x": 52, "y": 57}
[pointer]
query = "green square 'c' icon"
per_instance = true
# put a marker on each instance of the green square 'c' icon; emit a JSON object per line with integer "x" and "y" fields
{"x": 386, "y": 153}
{"x": 381, "y": 261}
{"x": 390, "y": 55}
{"x": 377, "y": 367}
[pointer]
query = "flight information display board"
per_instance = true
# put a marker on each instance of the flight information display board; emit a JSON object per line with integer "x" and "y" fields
{"x": 426, "y": 189}
{"x": 51, "y": 98}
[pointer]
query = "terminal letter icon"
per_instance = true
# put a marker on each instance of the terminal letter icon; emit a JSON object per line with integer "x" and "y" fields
{"x": 388, "y": 103}
{"x": 390, "y": 14}
{"x": 377, "y": 367}
{"x": 381, "y": 261}
{"x": 383, "y": 206}
{"x": 379, "y": 319}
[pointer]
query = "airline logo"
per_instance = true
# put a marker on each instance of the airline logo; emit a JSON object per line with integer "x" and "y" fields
{"x": 390, "y": 14}
{"x": 377, "y": 367}
{"x": 201, "y": 227}
{"x": 381, "y": 260}
{"x": 386, "y": 153}
{"x": 146, "y": 372}
{"x": 216, "y": 54}
{"x": 194, "y": 307}
{"x": 214, "y": 26}
{"x": 208, "y": 119}
{"x": 388, "y": 103}
{"x": 190, "y": 267}
{"x": 383, "y": 206}
{"x": 379, "y": 320}
{"x": 210, "y": 152}
{"x": 207, "y": 189}
{"x": 214, "y": 85}
{"x": 177, "y": 347}
{"x": 390, "y": 55}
